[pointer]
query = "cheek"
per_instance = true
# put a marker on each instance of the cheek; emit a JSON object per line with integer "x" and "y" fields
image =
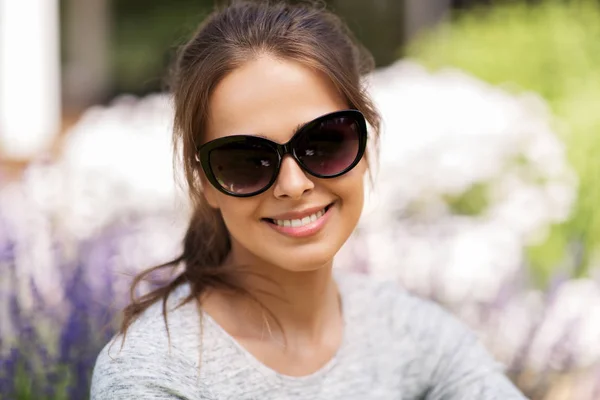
{"x": 350, "y": 191}
{"x": 211, "y": 195}
{"x": 237, "y": 212}
{"x": 354, "y": 196}
{"x": 351, "y": 186}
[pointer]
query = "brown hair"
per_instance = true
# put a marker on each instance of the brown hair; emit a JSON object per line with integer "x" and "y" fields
{"x": 229, "y": 37}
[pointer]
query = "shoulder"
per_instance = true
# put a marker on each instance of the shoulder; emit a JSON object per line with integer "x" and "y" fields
{"x": 148, "y": 362}
{"x": 388, "y": 298}
{"x": 390, "y": 307}
{"x": 451, "y": 361}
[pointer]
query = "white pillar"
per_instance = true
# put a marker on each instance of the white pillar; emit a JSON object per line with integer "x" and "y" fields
{"x": 30, "y": 100}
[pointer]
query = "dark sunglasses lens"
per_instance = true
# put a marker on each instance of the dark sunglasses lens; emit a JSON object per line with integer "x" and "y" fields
{"x": 331, "y": 146}
{"x": 243, "y": 168}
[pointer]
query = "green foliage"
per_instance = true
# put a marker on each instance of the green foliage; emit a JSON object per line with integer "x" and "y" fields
{"x": 146, "y": 33}
{"x": 145, "y": 38}
{"x": 23, "y": 384}
{"x": 552, "y": 48}
{"x": 472, "y": 202}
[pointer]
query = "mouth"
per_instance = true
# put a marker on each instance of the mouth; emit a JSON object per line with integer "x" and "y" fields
{"x": 299, "y": 222}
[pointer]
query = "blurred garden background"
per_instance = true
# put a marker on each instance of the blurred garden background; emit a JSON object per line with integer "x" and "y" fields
{"x": 485, "y": 199}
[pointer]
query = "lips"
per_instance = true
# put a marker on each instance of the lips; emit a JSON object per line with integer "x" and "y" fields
{"x": 310, "y": 224}
{"x": 297, "y": 219}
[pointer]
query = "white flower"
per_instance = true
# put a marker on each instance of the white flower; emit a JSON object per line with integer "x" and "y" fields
{"x": 118, "y": 160}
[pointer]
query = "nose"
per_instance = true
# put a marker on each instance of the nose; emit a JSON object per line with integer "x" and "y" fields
{"x": 292, "y": 181}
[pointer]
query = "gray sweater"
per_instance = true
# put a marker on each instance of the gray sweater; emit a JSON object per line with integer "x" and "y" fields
{"x": 395, "y": 346}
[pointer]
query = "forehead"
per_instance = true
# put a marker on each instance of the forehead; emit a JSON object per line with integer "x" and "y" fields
{"x": 270, "y": 97}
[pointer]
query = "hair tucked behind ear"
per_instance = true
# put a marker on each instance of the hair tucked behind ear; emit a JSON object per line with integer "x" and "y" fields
{"x": 229, "y": 37}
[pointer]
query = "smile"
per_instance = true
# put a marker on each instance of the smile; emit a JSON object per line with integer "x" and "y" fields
{"x": 300, "y": 222}
{"x": 301, "y": 227}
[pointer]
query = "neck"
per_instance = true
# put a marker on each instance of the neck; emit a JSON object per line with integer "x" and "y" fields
{"x": 292, "y": 307}
{"x": 300, "y": 301}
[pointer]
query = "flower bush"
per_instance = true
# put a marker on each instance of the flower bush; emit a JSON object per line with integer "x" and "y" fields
{"x": 72, "y": 233}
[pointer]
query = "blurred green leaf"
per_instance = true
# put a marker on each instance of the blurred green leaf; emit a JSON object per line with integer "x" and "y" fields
{"x": 472, "y": 202}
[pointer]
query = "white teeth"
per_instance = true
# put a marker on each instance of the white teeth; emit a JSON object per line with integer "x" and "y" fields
{"x": 295, "y": 223}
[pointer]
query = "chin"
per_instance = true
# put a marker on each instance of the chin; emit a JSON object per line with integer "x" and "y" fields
{"x": 310, "y": 262}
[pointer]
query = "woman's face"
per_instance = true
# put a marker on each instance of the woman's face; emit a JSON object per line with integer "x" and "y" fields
{"x": 271, "y": 97}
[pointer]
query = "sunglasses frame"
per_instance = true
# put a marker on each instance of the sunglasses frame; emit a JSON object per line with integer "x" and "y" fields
{"x": 203, "y": 151}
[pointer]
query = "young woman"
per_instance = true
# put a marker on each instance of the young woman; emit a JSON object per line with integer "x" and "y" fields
{"x": 271, "y": 127}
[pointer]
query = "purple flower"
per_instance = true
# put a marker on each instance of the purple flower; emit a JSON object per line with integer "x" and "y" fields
{"x": 50, "y": 351}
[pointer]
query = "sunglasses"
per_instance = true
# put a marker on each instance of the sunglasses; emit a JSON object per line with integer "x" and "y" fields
{"x": 326, "y": 147}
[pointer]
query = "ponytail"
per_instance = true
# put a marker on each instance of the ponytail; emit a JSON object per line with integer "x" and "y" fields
{"x": 205, "y": 246}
